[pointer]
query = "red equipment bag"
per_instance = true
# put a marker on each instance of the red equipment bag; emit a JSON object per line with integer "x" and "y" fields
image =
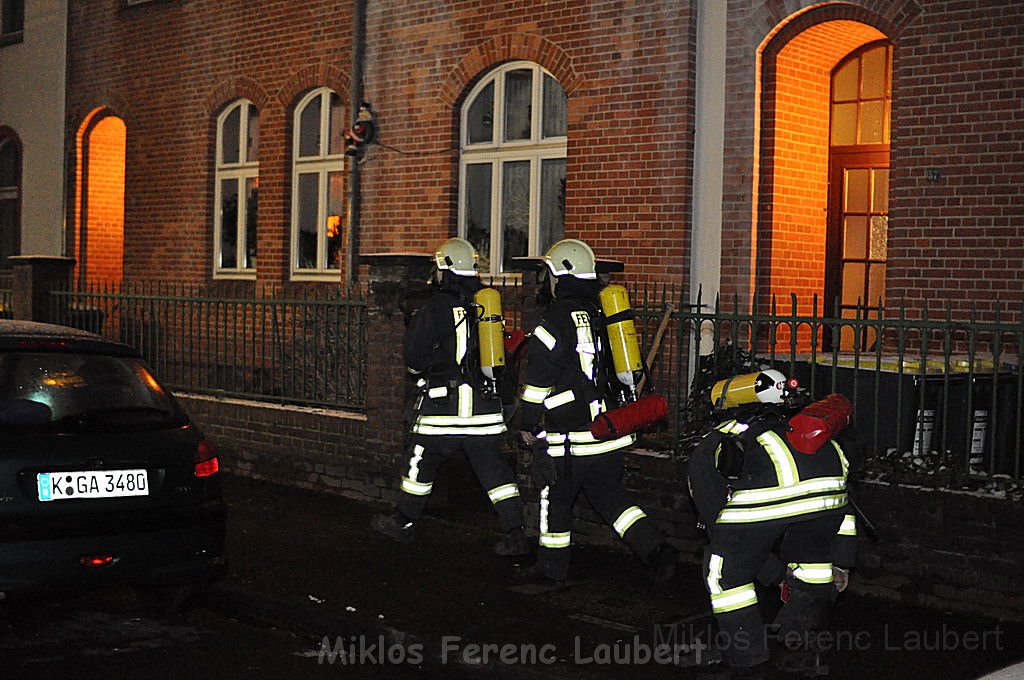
{"x": 630, "y": 418}
{"x": 819, "y": 422}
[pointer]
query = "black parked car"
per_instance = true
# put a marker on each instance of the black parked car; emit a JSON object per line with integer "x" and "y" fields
{"x": 103, "y": 477}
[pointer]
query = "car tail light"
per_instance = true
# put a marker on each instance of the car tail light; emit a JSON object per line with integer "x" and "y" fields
{"x": 206, "y": 460}
{"x": 97, "y": 560}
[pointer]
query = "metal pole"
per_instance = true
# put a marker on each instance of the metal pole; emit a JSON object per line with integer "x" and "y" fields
{"x": 356, "y": 97}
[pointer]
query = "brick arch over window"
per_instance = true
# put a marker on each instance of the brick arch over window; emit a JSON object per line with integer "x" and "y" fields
{"x": 504, "y": 48}
{"x": 232, "y": 90}
{"x": 107, "y": 104}
{"x": 888, "y": 16}
{"x": 756, "y": 35}
{"x": 309, "y": 78}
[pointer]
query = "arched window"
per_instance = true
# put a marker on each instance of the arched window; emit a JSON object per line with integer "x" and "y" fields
{"x": 10, "y": 198}
{"x": 318, "y": 184}
{"x": 237, "y": 188}
{"x": 856, "y": 249}
{"x": 512, "y": 165}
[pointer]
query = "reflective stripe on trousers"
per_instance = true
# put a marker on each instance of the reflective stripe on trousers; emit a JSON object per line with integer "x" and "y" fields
{"x": 547, "y": 538}
{"x": 731, "y": 599}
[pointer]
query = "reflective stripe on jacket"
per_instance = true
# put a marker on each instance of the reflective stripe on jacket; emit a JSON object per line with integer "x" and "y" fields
{"x": 778, "y": 482}
{"x": 564, "y": 371}
{"x": 439, "y": 345}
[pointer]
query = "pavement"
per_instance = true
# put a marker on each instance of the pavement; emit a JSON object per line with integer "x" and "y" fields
{"x": 446, "y": 606}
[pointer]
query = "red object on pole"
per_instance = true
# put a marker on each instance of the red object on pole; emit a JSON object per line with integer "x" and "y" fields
{"x": 819, "y": 422}
{"x": 630, "y": 418}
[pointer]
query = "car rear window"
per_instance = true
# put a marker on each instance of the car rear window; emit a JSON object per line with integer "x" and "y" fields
{"x": 81, "y": 391}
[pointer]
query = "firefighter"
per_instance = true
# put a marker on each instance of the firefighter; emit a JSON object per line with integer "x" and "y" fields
{"x": 567, "y": 385}
{"x": 757, "y": 492}
{"x": 459, "y": 406}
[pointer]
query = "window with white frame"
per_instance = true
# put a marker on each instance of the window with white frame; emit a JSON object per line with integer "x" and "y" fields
{"x": 512, "y": 165}
{"x": 12, "y": 21}
{"x": 318, "y": 184}
{"x": 10, "y": 198}
{"x": 237, "y": 188}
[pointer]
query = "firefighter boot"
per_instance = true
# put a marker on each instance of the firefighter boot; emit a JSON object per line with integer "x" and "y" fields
{"x": 395, "y": 526}
{"x": 513, "y": 544}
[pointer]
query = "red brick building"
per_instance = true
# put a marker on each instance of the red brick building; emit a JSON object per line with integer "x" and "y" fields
{"x": 865, "y": 149}
{"x": 859, "y": 150}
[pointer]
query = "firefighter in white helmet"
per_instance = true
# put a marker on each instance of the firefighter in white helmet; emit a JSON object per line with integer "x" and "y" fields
{"x": 454, "y": 410}
{"x": 759, "y": 488}
{"x": 566, "y": 385}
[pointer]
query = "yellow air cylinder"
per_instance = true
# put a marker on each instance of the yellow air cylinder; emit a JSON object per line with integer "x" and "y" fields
{"x": 621, "y": 332}
{"x": 491, "y": 331}
{"x": 766, "y": 387}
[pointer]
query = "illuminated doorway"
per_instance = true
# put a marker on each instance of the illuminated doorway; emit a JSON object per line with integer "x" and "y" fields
{"x": 858, "y": 210}
{"x": 99, "y": 242}
{"x": 800, "y": 252}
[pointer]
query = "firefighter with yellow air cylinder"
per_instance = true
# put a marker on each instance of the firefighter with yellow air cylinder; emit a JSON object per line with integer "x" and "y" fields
{"x": 454, "y": 346}
{"x": 767, "y": 481}
{"x": 582, "y": 359}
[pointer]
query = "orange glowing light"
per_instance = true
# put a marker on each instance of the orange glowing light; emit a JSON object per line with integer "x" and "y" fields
{"x": 333, "y": 225}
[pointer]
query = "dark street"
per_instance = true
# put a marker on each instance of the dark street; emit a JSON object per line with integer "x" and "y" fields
{"x": 308, "y": 582}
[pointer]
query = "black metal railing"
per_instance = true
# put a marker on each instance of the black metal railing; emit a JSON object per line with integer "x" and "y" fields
{"x": 300, "y": 348}
{"x": 935, "y": 396}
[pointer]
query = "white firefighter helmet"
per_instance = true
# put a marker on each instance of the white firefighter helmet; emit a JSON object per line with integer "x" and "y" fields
{"x": 571, "y": 257}
{"x": 458, "y": 256}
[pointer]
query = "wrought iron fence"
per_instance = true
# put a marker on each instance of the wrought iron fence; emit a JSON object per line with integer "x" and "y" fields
{"x": 301, "y": 348}
{"x": 940, "y": 397}
{"x": 934, "y": 397}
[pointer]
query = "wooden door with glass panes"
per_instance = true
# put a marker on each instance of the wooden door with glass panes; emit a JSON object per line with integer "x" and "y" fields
{"x": 858, "y": 206}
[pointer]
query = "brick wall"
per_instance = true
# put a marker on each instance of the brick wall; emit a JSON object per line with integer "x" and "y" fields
{"x": 955, "y": 109}
{"x": 168, "y": 68}
{"x": 951, "y": 549}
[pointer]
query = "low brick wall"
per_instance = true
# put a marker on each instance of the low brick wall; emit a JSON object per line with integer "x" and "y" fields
{"x": 955, "y": 550}
{"x": 308, "y": 448}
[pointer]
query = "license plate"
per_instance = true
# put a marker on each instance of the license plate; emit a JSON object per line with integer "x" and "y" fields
{"x": 57, "y": 486}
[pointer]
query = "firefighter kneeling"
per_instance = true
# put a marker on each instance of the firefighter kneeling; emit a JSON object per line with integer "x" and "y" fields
{"x": 759, "y": 487}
